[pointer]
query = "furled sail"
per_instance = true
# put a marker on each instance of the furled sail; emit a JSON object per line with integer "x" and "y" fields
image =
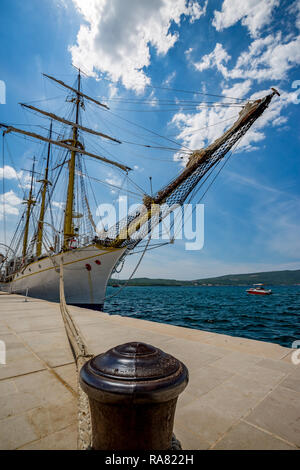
{"x": 83, "y": 95}
{"x": 131, "y": 230}
{"x": 70, "y": 123}
{"x": 64, "y": 145}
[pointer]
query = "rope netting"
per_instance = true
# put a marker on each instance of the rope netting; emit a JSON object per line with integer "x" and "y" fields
{"x": 129, "y": 231}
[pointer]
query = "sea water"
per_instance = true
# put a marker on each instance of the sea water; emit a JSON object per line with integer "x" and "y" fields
{"x": 221, "y": 309}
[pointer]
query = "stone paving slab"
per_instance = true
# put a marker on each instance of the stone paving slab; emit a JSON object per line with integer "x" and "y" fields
{"x": 243, "y": 436}
{"x": 279, "y": 413}
{"x": 242, "y": 394}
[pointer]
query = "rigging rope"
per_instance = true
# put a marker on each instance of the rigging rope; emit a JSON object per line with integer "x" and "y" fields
{"x": 148, "y": 130}
{"x": 181, "y": 108}
{"x": 110, "y": 184}
{"x": 132, "y": 229}
{"x": 196, "y": 93}
{"x": 132, "y": 274}
{"x": 226, "y": 160}
{"x": 3, "y": 189}
{"x": 168, "y": 102}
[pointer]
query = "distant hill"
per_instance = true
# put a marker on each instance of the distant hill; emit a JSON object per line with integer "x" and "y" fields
{"x": 269, "y": 278}
{"x": 145, "y": 281}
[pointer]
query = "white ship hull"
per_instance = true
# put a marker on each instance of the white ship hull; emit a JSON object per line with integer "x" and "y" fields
{"x": 86, "y": 273}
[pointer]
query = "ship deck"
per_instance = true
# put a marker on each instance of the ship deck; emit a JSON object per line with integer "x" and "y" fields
{"x": 243, "y": 394}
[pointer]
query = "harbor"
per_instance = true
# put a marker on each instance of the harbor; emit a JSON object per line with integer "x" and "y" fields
{"x": 149, "y": 227}
{"x": 242, "y": 393}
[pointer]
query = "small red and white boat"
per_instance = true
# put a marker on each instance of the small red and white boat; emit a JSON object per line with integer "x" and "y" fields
{"x": 259, "y": 290}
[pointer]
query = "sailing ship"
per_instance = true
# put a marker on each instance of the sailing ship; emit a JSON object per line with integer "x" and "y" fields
{"x": 89, "y": 257}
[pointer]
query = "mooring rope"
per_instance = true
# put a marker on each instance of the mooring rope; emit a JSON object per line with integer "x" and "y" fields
{"x": 81, "y": 355}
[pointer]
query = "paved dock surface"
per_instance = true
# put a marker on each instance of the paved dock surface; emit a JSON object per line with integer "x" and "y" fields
{"x": 243, "y": 394}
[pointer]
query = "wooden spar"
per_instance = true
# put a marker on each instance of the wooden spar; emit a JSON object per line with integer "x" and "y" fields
{"x": 70, "y": 123}
{"x": 68, "y": 222}
{"x": 66, "y": 146}
{"x": 43, "y": 203}
{"x": 30, "y": 202}
{"x": 200, "y": 156}
{"x": 73, "y": 89}
{"x": 197, "y": 158}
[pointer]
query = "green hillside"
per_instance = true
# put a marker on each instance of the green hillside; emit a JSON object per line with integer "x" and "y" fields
{"x": 269, "y": 278}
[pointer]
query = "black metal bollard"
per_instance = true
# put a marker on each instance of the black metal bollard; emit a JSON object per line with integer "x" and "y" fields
{"x": 133, "y": 390}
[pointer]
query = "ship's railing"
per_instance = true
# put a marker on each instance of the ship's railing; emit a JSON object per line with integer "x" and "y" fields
{"x": 77, "y": 241}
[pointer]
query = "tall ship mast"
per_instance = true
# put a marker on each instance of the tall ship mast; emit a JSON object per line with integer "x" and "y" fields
{"x": 89, "y": 256}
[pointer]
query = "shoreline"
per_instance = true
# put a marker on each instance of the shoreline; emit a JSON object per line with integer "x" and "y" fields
{"x": 201, "y": 285}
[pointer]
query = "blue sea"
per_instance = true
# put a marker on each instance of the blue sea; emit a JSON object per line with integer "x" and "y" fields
{"x": 228, "y": 310}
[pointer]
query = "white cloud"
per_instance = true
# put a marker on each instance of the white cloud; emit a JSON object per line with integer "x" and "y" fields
{"x": 61, "y": 4}
{"x": 58, "y": 205}
{"x": 294, "y": 10}
{"x": 188, "y": 52}
{"x": 202, "y": 128}
{"x": 9, "y": 173}
{"x": 117, "y": 36}
{"x": 216, "y": 58}
{"x": 194, "y": 10}
{"x": 152, "y": 101}
{"x": 25, "y": 180}
{"x": 298, "y": 16}
{"x": 271, "y": 117}
{"x": 113, "y": 90}
{"x": 199, "y": 129}
{"x": 10, "y": 202}
{"x": 268, "y": 58}
{"x": 238, "y": 90}
{"x": 113, "y": 180}
{"x": 254, "y": 14}
{"x": 169, "y": 78}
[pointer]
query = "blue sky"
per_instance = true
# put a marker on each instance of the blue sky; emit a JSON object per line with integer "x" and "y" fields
{"x": 130, "y": 48}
